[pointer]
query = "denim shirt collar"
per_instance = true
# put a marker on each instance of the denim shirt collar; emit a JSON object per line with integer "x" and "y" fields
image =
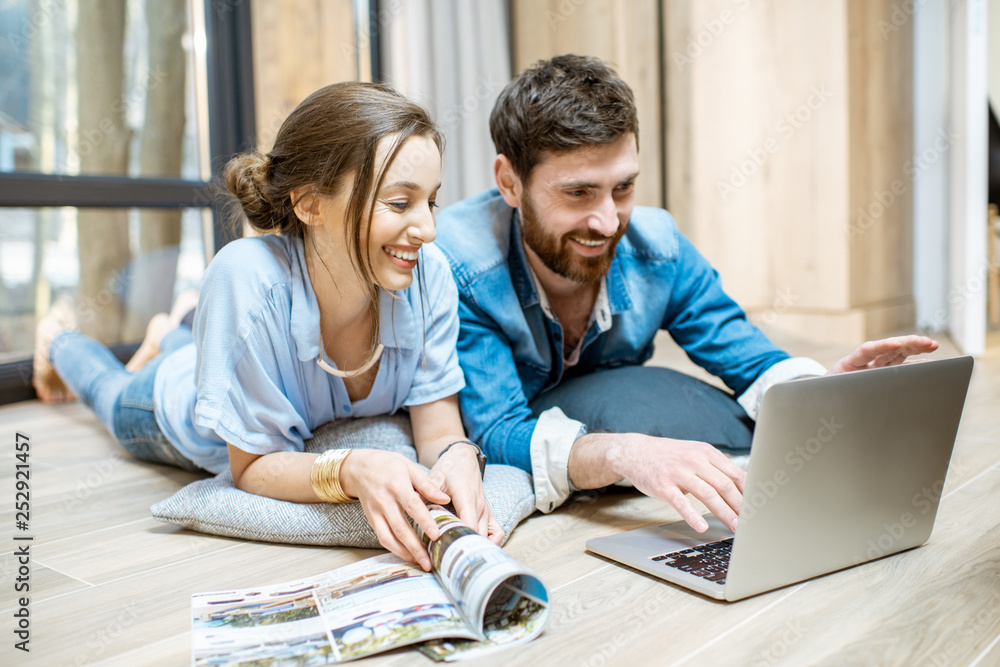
{"x": 396, "y": 318}
{"x": 618, "y": 296}
{"x": 520, "y": 275}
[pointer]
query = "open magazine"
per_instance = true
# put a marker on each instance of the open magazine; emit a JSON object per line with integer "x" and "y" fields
{"x": 475, "y": 600}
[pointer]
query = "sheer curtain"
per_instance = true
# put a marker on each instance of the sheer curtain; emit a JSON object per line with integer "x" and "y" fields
{"x": 452, "y": 56}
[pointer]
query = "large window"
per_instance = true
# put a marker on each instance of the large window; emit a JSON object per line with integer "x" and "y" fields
{"x": 45, "y": 256}
{"x": 113, "y": 117}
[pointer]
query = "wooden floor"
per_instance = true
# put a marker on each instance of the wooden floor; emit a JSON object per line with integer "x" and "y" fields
{"x": 110, "y": 585}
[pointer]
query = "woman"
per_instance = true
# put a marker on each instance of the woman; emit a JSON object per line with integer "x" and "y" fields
{"x": 319, "y": 320}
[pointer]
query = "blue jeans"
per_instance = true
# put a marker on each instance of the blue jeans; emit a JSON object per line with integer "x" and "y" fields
{"x": 655, "y": 401}
{"x": 123, "y": 401}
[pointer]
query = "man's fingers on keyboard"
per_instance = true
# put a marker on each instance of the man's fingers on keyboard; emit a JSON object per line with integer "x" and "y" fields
{"x": 718, "y": 505}
{"x": 730, "y": 470}
{"x": 724, "y": 486}
{"x": 679, "y": 501}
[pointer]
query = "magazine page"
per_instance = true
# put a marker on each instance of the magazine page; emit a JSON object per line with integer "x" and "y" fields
{"x": 494, "y": 592}
{"x": 368, "y": 607}
{"x": 279, "y": 622}
{"x": 511, "y": 619}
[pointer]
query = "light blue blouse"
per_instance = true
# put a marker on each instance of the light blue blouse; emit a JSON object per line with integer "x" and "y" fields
{"x": 251, "y": 377}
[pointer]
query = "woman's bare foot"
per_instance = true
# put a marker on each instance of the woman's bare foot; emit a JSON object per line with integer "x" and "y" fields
{"x": 159, "y": 326}
{"x": 48, "y": 385}
{"x": 185, "y": 303}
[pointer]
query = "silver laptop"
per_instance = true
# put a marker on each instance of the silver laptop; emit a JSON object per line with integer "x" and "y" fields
{"x": 843, "y": 469}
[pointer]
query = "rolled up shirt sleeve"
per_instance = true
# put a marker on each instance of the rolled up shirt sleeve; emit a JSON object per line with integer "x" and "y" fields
{"x": 551, "y": 442}
{"x": 789, "y": 369}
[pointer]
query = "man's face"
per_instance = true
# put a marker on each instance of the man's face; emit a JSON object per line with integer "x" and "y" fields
{"x": 575, "y": 206}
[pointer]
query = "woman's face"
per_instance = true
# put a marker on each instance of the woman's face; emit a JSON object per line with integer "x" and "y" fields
{"x": 403, "y": 214}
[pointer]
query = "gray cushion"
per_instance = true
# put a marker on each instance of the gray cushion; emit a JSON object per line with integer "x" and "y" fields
{"x": 216, "y": 506}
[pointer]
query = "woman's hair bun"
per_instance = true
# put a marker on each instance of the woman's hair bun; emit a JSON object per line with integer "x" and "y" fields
{"x": 248, "y": 177}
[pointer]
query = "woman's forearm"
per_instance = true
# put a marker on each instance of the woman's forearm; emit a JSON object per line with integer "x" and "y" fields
{"x": 279, "y": 475}
{"x": 435, "y": 426}
{"x": 429, "y": 452}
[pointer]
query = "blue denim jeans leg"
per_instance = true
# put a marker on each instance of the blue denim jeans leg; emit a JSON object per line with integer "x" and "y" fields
{"x": 123, "y": 401}
{"x": 654, "y": 401}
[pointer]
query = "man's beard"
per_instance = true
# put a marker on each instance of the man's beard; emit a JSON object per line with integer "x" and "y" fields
{"x": 557, "y": 256}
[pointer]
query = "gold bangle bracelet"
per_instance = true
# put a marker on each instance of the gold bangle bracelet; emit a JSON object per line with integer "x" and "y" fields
{"x": 325, "y": 476}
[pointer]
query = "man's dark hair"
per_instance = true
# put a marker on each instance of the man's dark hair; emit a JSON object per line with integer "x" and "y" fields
{"x": 560, "y": 104}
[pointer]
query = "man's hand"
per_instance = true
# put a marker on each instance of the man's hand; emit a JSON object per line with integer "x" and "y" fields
{"x": 663, "y": 468}
{"x": 885, "y": 352}
{"x": 457, "y": 474}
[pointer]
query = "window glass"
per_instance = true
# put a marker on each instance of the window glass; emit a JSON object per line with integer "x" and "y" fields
{"x": 112, "y": 268}
{"x": 106, "y": 88}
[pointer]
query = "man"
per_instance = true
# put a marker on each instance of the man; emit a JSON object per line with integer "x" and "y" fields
{"x": 564, "y": 283}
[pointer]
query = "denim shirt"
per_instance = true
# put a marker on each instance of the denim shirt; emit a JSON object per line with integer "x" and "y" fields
{"x": 511, "y": 351}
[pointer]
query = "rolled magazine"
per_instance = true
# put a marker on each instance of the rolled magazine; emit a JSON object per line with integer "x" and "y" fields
{"x": 476, "y": 600}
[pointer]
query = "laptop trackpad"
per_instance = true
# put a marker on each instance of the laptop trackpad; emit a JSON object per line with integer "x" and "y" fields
{"x": 642, "y": 544}
{"x": 682, "y": 536}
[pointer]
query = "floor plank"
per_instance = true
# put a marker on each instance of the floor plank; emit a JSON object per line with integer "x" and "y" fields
{"x": 110, "y": 585}
{"x": 905, "y": 609}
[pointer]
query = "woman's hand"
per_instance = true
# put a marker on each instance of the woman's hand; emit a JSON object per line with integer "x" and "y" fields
{"x": 390, "y": 487}
{"x": 435, "y": 426}
{"x": 457, "y": 474}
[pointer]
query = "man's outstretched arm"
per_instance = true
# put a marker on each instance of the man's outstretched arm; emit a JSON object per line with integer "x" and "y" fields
{"x": 884, "y": 352}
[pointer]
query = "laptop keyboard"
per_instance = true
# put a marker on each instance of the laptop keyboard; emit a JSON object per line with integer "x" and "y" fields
{"x": 709, "y": 561}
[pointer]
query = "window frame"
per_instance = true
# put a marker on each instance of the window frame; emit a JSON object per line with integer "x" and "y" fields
{"x": 231, "y": 129}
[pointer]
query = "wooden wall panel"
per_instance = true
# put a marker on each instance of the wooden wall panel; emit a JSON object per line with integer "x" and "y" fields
{"x": 298, "y": 46}
{"x": 759, "y": 102}
{"x": 881, "y": 152}
{"x": 627, "y": 35}
{"x": 783, "y": 118}
{"x": 779, "y": 123}
{"x": 677, "y": 110}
